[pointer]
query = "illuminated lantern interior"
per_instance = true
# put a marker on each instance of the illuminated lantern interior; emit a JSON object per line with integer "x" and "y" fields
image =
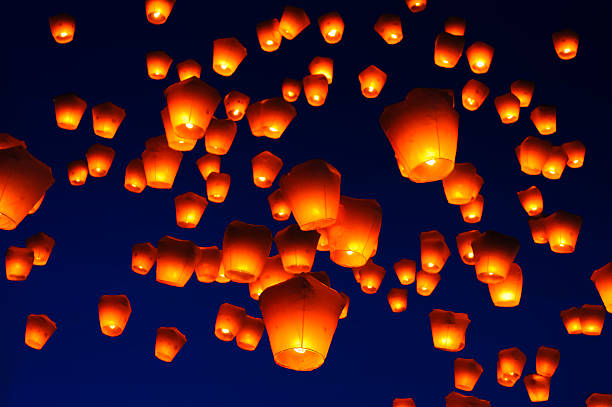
{"x": 39, "y": 329}
{"x": 523, "y": 90}
{"x": 245, "y": 251}
{"x": 563, "y": 229}
{"x": 332, "y": 27}
{"x": 69, "y": 109}
{"x": 236, "y": 104}
{"x": 207, "y": 164}
{"x": 416, "y": 6}
{"x": 106, "y": 119}
{"x": 474, "y": 94}
{"x": 537, "y": 225}
{"x": 270, "y": 117}
{"x": 168, "y": 343}
{"x": 507, "y": 293}
{"x": 398, "y": 299}
{"x": 472, "y": 211}
{"x": 467, "y": 373}
{"x": 217, "y": 186}
{"x": 372, "y": 80}
{"x": 41, "y": 244}
{"x": 464, "y": 246}
{"x": 462, "y": 185}
{"x": 544, "y": 118}
{"x": 230, "y": 319}
{"x": 566, "y": 44}
{"x": 99, "y": 160}
{"x": 448, "y": 49}
{"x": 173, "y": 139}
{"x": 389, "y": 27}
{"x": 158, "y": 10}
{"x": 160, "y": 162}
{"x": 315, "y": 89}
{"x": 479, "y": 57}
{"x": 508, "y": 107}
{"x": 135, "y": 176}
{"x": 250, "y": 333}
{"x": 77, "y": 172}
{"x": 571, "y": 320}
{"x": 455, "y": 26}
{"x": 405, "y": 271}
{"x": 297, "y": 248}
{"x": 434, "y": 251}
{"x": 18, "y": 262}
{"x": 144, "y": 256}
{"x": 158, "y": 64}
{"x": 322, "y": 66}
{"x": 188, "y": 69}
{"x": 208, "y": 264}
{"x": 555, "y": 163}
{"x": 279, "y": 206}
{"x": 494, "y": 254}
{"x": 426, "y": 282}
{"x": 62, "y": 28}
{"x": 547, "y": 361}
{"x": 176, "y": 261}
{"x": 531, "y": 200}
{"x": 269, "y": 35}
{"x": 291, "y": 89}
{"x": 113, "y": 312}
{"x": 592, "y": 319}
{"x": 538, "y": 387}
{"x": 575, "y": 151}
{"x": 189, "y": 209}
{"x": 219, "y": 136}
{"x": 448, "y": 329}
{"x": 510, "y": 364}
{"x": 293, "y": 21}
{"x": 228, "y": 53}
{"x": 532, "y": 154}
{"x": 370, "y": 277}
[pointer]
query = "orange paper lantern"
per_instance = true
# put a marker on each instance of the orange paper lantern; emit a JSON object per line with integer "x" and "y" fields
{"x": 315, "y": 89}
{"x": 113, "y": 312}
{"x": 398, "y": 299}
{"x": 464, "y": 246}
{"x": 508, "y": 107}
{"x": 189, "y": 209}
{"x": 426, "y": 282}
{"x": 268, "y": 35}
{"x": 173, "y": 139}
{"x": 168, "y": 343}
{"x": 494, "y": 254}
{"x": 448, "y": 49}
{"x": 467, "y": 373}
{"x": 39, "y": 329}
{"x": 547, "y": 361}
{"x": 602, "y": 278}
{"x": 297, "y": 248}
{"x": 208, "y": 264}
{"x": 448, "y": 329}
{"x": 266, "y": 167}
{"x": 250, "y": 334}
{"x": 270, "y": 117}
{"x": 575, "y": 151}
{"x": 479, "y": 57}
{"x": 370, "y": 277}
{"x": 293, "y": 21}
{"x": 41, "y": 244}
{"x": 523, "y": 90}
{"x": 344, "y": 313}
{"x": 462, "y": 185}
{"x": 406, "y": 271}
{"x": 69, "y": 109}
{"x": 176, "y": 261}
{"x": 434, "y": 251}
{"x": 472, "y": 212}
{"x": 143, "y": 257}
{"x": 592, "y": 319}
{"x": 62, "y": 28}
{"x": 77, "y": 172}
{"x": 230, "y": 319}
{"x": 403, "y": 403}
{"x": 135, "y": 176}
{"x": 474, "y": 94}
{"x": 161, "y": 163}
{"x": 332, "y": 27}
{"x": 158, "y": 64}
{"x": 566, "y": 44}
{"x": 106, "y": 119}
{"x": 510, "y": 364}
{"x": 544, "y": 118}
{"x": 217, "y": 186}
{"x": 279, "y": 206}
{"x": 99, "y": 160}
{"x": 563, "y": 229}
{"x": 236, "y": 104}
{"x": 220, "y": 136}
{"x": 291, "y": 89}
{"x": 537, "y": 225}
{"x": 532, "y": 154}
{"x": 555, "y": 163}
{"x": 372, "y": 81}
{"x": 571, "y": 320}
{"x": 228, "y": 53}
{"x": 207, "y": 164}
{"x": 273, "y": 273}
{"x": 245, "y": 250}
{"x": 599, "y": 400}
{"x": 507, "y": 293}
{"x": 158, "y": 10}
{"x": 455, "y": 26}
{"x": 531, "y": 200}
{"x": 538, "y": 387}
{"x": 18, "y": 262}
{"x": 416, "y": 6}
{"x": 188, "y": 69}
{"x": 389, "y": 27}
{"x": 322, "y": 66}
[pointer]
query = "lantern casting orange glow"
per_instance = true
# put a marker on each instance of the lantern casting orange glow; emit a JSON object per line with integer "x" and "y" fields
{"x": 245, "y": 251}
{"x": 448, "y": 49}
{"x": 250, "y": 333}
{"x": 479, "y": 57}
{"x": 566, "y": 44}
{"x": 293, "y": 21}
{"x": 41, "y": 244}
{"x": 315, "y": 89}
{"x": 99, "y": 160}
{"x": 236, "y": 104}
{"x": 602, "y": 278}
{"x": 106, "y": 119}
{"x": 230, "y": 319}
{"x": 507, "y": 293}
{"x": 389, "y": 27}
{"x": 370, "y": 277}
{"x": 269, "y": 35}
{"x": 426, "y": 282}
{"x": 448, "y": 329}
{"x": 462, "y": 185}
{"x": 208, "y": 264}
{"x": 39, "y": 329}
{"x": 474, "y": 94}
{"x": 405, "y": 271}
{"x": 279, "y": 206}
{"x": 472, "y": 211}
{"x": 207, "y": 164}
{"x": 228, "y": 53}
{"x": 18, "y": 262}
{"x": 455, "y": 26}
{"x": 176, "y": 261}
{"x": 217, "y": 186}
{"x": 494, "y": 254}
{"x": 77, "y": 172}
{"x": 398, "y": 299}
{"x": 532, "y": 154}
{"x": 510, "y": 364}
{"x": 69, "y": 109}
{"x": 158, "y": 64}
{"x": 508, "y": 107}
{"x": 113, "y": 312}
{"x": 189, "y": 209}
{"x": 523, "y": 90}
{"x": 547, "y": 361}
{"x": 297, "y": 248}
{"x": 563, "y": 229}
{"x": 158, "y": 10}
{"x": 538, "y": 387}
{"x": 161, "y": 163}
{"x": 575, "y": 151}
{"x": 531, "y": 200}
{"x": 464, "y": 245}
{"x": 544, "y": 118}
{"x": 188, "y": 69}
{"x": 372, "y": 81}
{"x": 144, "y": 256}
{"x": 135, "y": 177}
{"x": 168, "y": 343}
{"x": 219, "y": 136}
{"x": 291, "y": 89}
{"x": 62, "y": 28}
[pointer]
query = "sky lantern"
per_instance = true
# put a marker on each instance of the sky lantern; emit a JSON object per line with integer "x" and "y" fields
{"x": 36, "y": 205}
{"x": 273, "y": 273}
{"x": 99, "y": 159}
{"x": 291, "y": 89}
{"x": 113, "y": 312}
{"x": 537, "y": 225}
{"x": 106, "y": 119}
{"x": 41, "y": 244}
{"x": 372, "y": 81}
{"x": 219, "y": 136}
{"x": 538, "y": 387}
{"x": 494, "y": 254}
{"x": 189, "y": 209}
{"x": 464, "y": 246}
{"x": 297, "y": 248}
{"x": 416, "y": 6}
{"x": 255, "y": 289}
{"x": 323, "y": 244}
{"x": 507, "y": 293}
{"x": 77, "y": 172}
{"x": 191, "y": 104}
{"x": 532, "y": 154}
{"x": 245, "y": 250}
{"x": 230, "y": 319}
{"x": 462, "y": 185}
{"x": 208, "y": 264}
{"x": 479, "y": 57}
{"x": 332, "y": 27}
{"x": 268, "y": 35}
{"x": 18, "y": 262}
{"x": 356, "y": 275}
{"x": 312, "y": 189}
{"x": 370, "y": 277}
{"x": 426, "y": 282}
{"x": 555, "y": 163}
{"x": 602, "y": 278}
{"x": 62, "y": 28}
{"x": 301, "y": 315}
{"x": 161, "y": 163}
{"x": 472, "y": 211}
{"x": 217, "y": 186}
{"x": 425, "y": 149}
{"x": 322, "y": 66}
{"x": 315, "y": 89}
{"x": 474, "y": 94}
{"x": 531, "y": 200}
{"x": 434, "y": 251}
{"x": 228, "y": 53}
{"x": 158, "y": 10}
{"x": 207, "y": 164}
{"x": 39, "y": 329}
{"x": 188, "y": 69}
{"x": 405, "y": 271}
{"x": 592, "y": 319}
{"x": 279, "y": 206}
{"x": 236, "y": 104}
{"x": 599, "y": 400}
{"x": 403, "y": 403}
{"x": 398, "y": 299}
{"x": 566, "y": 44}
{"x": 523, "y": 90}
{"x": 144, "y": 256}
{"x": 510, "y": 364}
{"x": 270, "y": 117}
{"x": 448, "y": 329}
{"x": 250, "y": 334}
{"x": 563, "y": 229}
{"x": 8, "y": 141}
{"x": 158, "y": 64}
{"x": 455, "y": 26}
{"x": 293, "y": 21}
{"x": 448, "y": 49}
{"x": 135, "y": 176}
{"x": 455, "y": 399}
{"x": 508, "y": 107}
{"x": 266, "y": 167}
{"x": 575, "y": 151}
{"x": 467, "y": 373}
{"x": 168, "y": 343}
{"x": 221, "y": 277}
{"x": 353, "y": 239}
{"x": 544, "y": 118}
{"x": 173, "y": 139}
{"x": 389, "y": 27}
{"x": 547, "y": 361}
{"x": 176, "y": 261}
{"x": 69, "y": 109}
{"x": 571, "y": 320}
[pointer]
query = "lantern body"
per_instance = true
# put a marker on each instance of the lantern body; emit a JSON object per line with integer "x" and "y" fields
{"x": 372, "y": 81}
{"x": 297, "y": 248}
{"x": 313, "y": 192}
{"x": 69, "y": 109}
{"x": 173, "y": 139}
{"x": 448, "y": 329}
{"x": 143, "y": 257}
{"x": 508, "y": 107}
{"x": 158, "y": 10}
{"x": 479, "y": 57}
{"x": 332, "y": 27}
{"x": 266, "y": 167}
{"x": 279, "y": 206}
{"x": 507, "y": 293}
{"x": 236, "y": 104}
{"x": 113, "y": 312}
{"x": 370, "y": 277}
{"x": 315, "y": 89}
{"x": 7, "y": 141}
{"x": 220, "y": 136}
{"x": 189, "y": 209}
{"x": 62, "y": 28}
{"x": 544, "y": 119}
{"x": 18, "y": 262}
{"x": 563, "y": 229}
{"x": 474, "y": 94}
{"x": 344, "y": 312}
{"x": 434, "y": 251}
{"x": 106, "y": 119}
{"x": 188, "y": 69}
{"x": 135, "y": 177}
{"x": 99, "y": 160}
{"x": 398, "y": 299}
{"x": 494, "y": 254}
{"x": 36, "y": 205}
{"x": 571, "y": 320}
{"x": 42, "y": 245}
{"x": 228, "y": 53}
{"x": 158, "y": 64}
{"x": 161, "y": 163}
{"x": 462, "y": 185}
{"x": 230, "y": 319}
{"x": 221, "y": 277}
{"x": 547, "y": 361}
{"x": 426, "y": 282}
{"x": 592, "y": 319}
{"x": 537, "y": 225}
{"x": 602, "y": 278}
{"x": 464, "y": 246}
{"x": 270, "y": 117}
{"x": 523, "y": 90}
{"x": 416, "y": 6}
{"x": 268, "y": 35}
{"x": 458, "y": 400}
{"x": 272, "y": 274}
{"x": 467, "y": 373}
{"x": 510, "y": 364}
{"x": 291, "y": 89}
{"x": 77, "y": 172}
{"x": 599, "y": 400}
{"x": 531, "y": 200}
{"x": 538, "y": 387}
{"x": 472, "y": 211}
{"x": 575, "y": 151}
{"x": 389, "y": 27}
{"x": 176, "y": 261}
{"x": 323, "y": 244}
{"x": 207, "y": 164}
{"x": 217, "y": 187}
{"x": 566, "y": 44}
{"x": 208, "y": 264}
{"x": 245, "y": 251}
{"x": 532, "y": 154}
{"x": 555, "y": 163}
{"x": 448, "y": 49}
{"x": 403, "y": 403}
{"x": 39, "y": 329}
{"x": 168, "y": 343}
{"x": 300, "y": 315}
{"x": 250, "y": 334}
{"x": 423, "y": 132}
{"x": 293, "y": 21}
{"x": 322, "y": 66}
{"x": 455, "y": 26}
{"x": 406, "y": 271}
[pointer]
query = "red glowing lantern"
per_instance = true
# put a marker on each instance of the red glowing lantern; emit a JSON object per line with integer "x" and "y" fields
{"x": 434, "y": 251}
{"x": 158, "y": 64}
{"x": 270, "y": 117}
{"x": 547, "y": 361}
{"x": 507, "y": 293}
{"x": 426, "y": 282}
{"x": 566, "y": 44}
{"x": 293, "y": 21}
{"x": 544, "y": 119}
{"x": 269, "y": 35}
{"x": 228, "y": 53}
{"x": 592, "y": 319}
{"x": 538, "y": 387}
{"x": 474, "y": 94}
{"x": 575, "y": 151}
{"x": 532, "y": 154}
{"x": 161, "y": 163}
{"x": 315, "y": 89}
{"x": 143, "y": 257}
{"x": 230, "y": 319}
{"x": 403, "y": 403}
{"x": 599, "y": 400}
{"x": 158, "y": 10}
{"x": 370, "y": 277}
{"x": 176, "y": 261}
{"x": 455, "y": 26}
{"x": 106, "y": 119}
{"x": 322, "y": 66}
{"x": 266, "y": 167}
{"x": 217, "y": 186}
{"x": 62, "y": 28}
{"x": 571, "y": 320}
{"x": 398, "y": 299}
{"x": 464, "y": 246}
{"x": 18, "y": 262}
{"x": 462, "y": 185}
{"x": 208, "y": 264}
{"x": 372, "y": 81}
{"x": 99, "y": 160}
{"x": 555, "y": 163}
{"x": 467, "y": 373}
{"x": 250, "y": 333}
{"x": 69, "y": 109}
{"x": 245, "y": 251}
{"x": 537, "y": 225}
{"x": 236, "y": 104}
{"x": 416, "y": 6}
{"x": 448, "y": 329}
{"x": 472, "y": 212}
{"x": 168, "y": 343}
{"x": 219, "y": 136}
{"x": 602, "y": 278}
{"x": 510, "y": 364}
{"x": 389, "y": 27}
{"x": 332, "y": 27}
{"x": 173, "y": 139}
{"x": 479, "y": 57}
{"x": 189, "y": 209}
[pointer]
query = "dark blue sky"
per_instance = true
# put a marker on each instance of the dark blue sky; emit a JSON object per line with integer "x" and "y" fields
{"x": 375, "y": 355}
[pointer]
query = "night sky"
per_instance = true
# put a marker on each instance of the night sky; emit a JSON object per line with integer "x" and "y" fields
{"x": 375, "y": 355}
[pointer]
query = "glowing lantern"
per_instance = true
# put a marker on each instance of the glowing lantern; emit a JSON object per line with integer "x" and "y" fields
{"x": 479, "y": 57}
{"x": 41, "y": 245}
{"x": 245, "y": 251}
{"x": 592, "y": 319}
{"x": 39, "y": 329}
{"x": 301, "y": 315}
{"x": 268, "y": 35}
{"x": 62, "y": 28}
{"x": 464, "y": 246}
{"x": 220, "y": 136}
{"x": 434, "y": 251}
{"x": 174, "y": 141}
{"x": 474, "y": 94}
{"x": 563, "y": 229}
{"x": 406, "y": 271}
{"x": 236, "y": 104}
{"x": 537, "y": 225}
{"x": 575, "y": 151}
{"x": 161, "y": 163}
{"x": 297, "y": 248}
{"x": 158, "y": 10}
{"x": 315, "y": 89}
{"x": 599, "y": 400}
{"x": 106, "y": 119}
{"x": 143, "y": 257}
{"x": 323, "y": 244}
{"x": 372, "y": 81}
{"x": 458, "y": 400}
{"x": 255, "y": 290}
{"x": 18, "y": 262}
{"x": 189, "y": 209}
{"x": 370, "y": 277}
{"x": 467, "y": 373}
{"x": 188, "y": 69}
{"x": 250, "y": 334}
{"x": 168, "y": 343}
{"x": 507, "y": 293}
{"x": 279, "y": 206}
{"x": 425, "y": 149}
{"x": 538, "y": 387}
{"x": 416, "y": 6}
{"x": 510, "y": 364}
{"x": 266, "y": 167}
{"x": 207, "y": 164}
{"x": 389, "y": 27}
{"x": 221, "y": 277}
{"x": 69, "y": 109}
{"x": 113, "y": 312}
{"x": 344, "y": 313}
{"x": 176, "y": 261}
{"x": 547, "y": 361}
{"x": 332, "y": 27}
{"x": 291, "y": 89}
{"x": 135, "y": 177}
{"x": 532, "y": 154}
{"x": 455, "y": 26}
{"x": 230, "y": 319}
{"x": 217, "y": 186}
{"x": 544, "y": 119}
{"x": 158, "y": 64}
{"x": 403, "y": 403}
{"x": 270, "y": 117}
{"x": 472, "y": 212}
{"x": 508, "y": 107}
{"x": 571, "y": 320}
{"x": 602, "y": 278}
{"x": 273, "y": 273}
{"x": 99, "y": 160}
{"x": 7, "y": 141}
{"x": 566, "y": 44}
{"x": 313, "y": 192}
{"x": 228, "y": 53}
{"x": 191, "y": 104}
{"x": 77, "y": 172}
{"x": 532, "y": 201}
{"x": 523, "y": 90}
{"x": 448, "y": 329}
{"x": 448, "y": 49}
{"x": 293, "y": 21}
{"x": 462, "y": 185}
{"x": 494, "y": 254}
{"x": 322, "y": 66}
{"x": 208, "y": 264}
{"x": 398, "y": 299}
{"x": 555, "y": 164}
{"x": 426, "y": 282}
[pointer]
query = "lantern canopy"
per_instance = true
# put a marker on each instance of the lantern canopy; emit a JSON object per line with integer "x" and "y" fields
{"x": 467, "y": 373}
{"x": 113, "y": 312}
{"x": 161, "y": 163}
{"x": 474, "y": 94}
{"x": 188, "y": 69}
{"x": 416, "y": 6}
{"x": 106, "y": 119}
{"x": 462, "y": 185}
{"x": 464, "y": 246}
{"x": 448, "y": 49}
{"x": 538, "y": 387}
{"x": 370, "y": 277}
{"x": 599, "y": 400}
{"x": 508, "y": 107}
{"x": 547, "y": 361}
{"x": 448, "y": 329}
{"x": 531, "y": 200}
{"x": 563, "y": 229}
{"x": 322, "y": 66}
{"x": 189, "y": 209}
{"x": 555, "y": 163}
{"x": 217, "y": 186}
{"x": 158, "y": 64}
{"x": 228, "y": 53}
{"x": 372, "y": 81}
{"x": 245, "y": 250}
{"x": 135, "y": 176}
{"x": 291, "y": 89}
{"x": 479, "y": 57}
{"x": 398, "y": 299}
{"x": 69, "y": 109}
{"x": 389, "y": 27}
{"x": 494, "y": 254}
{"x": 77, "y": 172}
{"x": 219, "y": 136}
{"x": 571, "y": 320}
{"x": 18, "y": 262}
{"x": 575, "y": 151}
{"x": 269, "y": 35}
{"x": 426, "y": 282}
{"x": 62, "y": 28}
{"x": 405, "y": 271}
{"x": 455, "y": 26}
{"x": 523, "y": 90}
{"x": 507, "y": 293}
{"x": 176, "y": 261}
{"x": 41, "y": 244}
{"x": 230, "y": 319}
{"x": 99, "y": 159}
{"x": 602, "y": 278}
{"x": 236, "y": 104}
{"x": 532, "y": 154}
{"x": 158, "y": 10}
{"x": 279, "y": 206}
{"x": 39, "y": 329}
{"x": 544, "y": 118}
{"x": 293, "y": 21}
{"x": 403, "y": 403}
{"x": 566, "y": 44}
{"x": 592, "y": 319}
{"x": 510, "y": 363}
{"x": 144, "y": 256}
{"x": 250, "y": 333}
{"x": 332, "y": 27}
{"x": 434, "y": 251}
{"x": 315, "y": 89}
{"x": 207, "y": 164}
{"x": 208, "y": 264}
{"x": 297, "y": 248}
{"x": 168, "y": 343}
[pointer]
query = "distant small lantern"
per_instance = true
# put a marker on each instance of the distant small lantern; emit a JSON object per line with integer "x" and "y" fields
{"x": 344, "y": 313}
{"x": 39, "y": 329}
{"x": 523, "y": 90}
{"x": 69, "y": 109}
{"x": 315, "y": 89}
{"x": 538, "y": 387}
{"x": 176, "y": 261}
{"x": 228, "y": 53}
{"x": 592, "y": 319}
{"x": 372, "y": 81}
{"x": 208, "y": 264}
{"x": 332, "y": 27}
{"x": 510, "y": 363}
{"x": 398, "y": 299}
{"x": 356, "y": 275}
{"x": 189, "y": 209}
{"x": 389, "y": 27}
{"x": 448, "y": 49}
{"x": 547, "y": 361}
{"x": 474, "y": 94}
{"x": 467, "y": 373}
{"x": 575, "y": 151}
{"x": 508, "y": 107}
{"x": 62, "y": 28}
{"x": 113, "y": 312}
{"x": 144, "y": 256}
{"x": 448, "y": 329}
{"x": 532, "y": 154}
{"x": 266, "y": 167}
{"x": 571, "y": 320}
{"x": 135, "y": 176}
{"x": 219, "y": 136}
{"x": 297, "y": 248}
{"x": 236, "y": 104}
{"x": 426, "y": 282}
{"x": 599, "y": 400}
{"x": 405, "y": 271}
{"x": 370, "y": 277}
{"x": 77, "y": 172}
{"x": 41, "y": 244}
{"x": 464, "y": 246}
{"x": 563, "y": 229}
{"x": 158, "y": 64}
{"x": 566, "y": 44}
{"x": 161, "y": 163}
{"x": 479, "y": 57}
{"x": 472, "y": 211}
{"x": 544, "y": 119}
{"x": 462, "y": 185}
{"x": 217, "y": 187}
{"x": 188, "y": 69}
{"x": 18, "y": 262}
{"x": 507, "y": 293}
{"x": 455, "y": 26}
{"x": 99, "y": 160}
{"x": 531, "y": 200}
{"x": 323, "y": 244}
{"x": 279, "y": 206}
{"x": 250, "y": 334}
{"x": 322, "y": 66}
{"x": 168, "y": 343}
{"x": 434, "y": 251}
{"x": 207, "y": 164}
{"x": 537, "y": 225}
{"x": 403, "y": 403}
{"x": 555, "y": 163}
{"x": 291, "y": 89}
{"x": 270, "y": 117}
{"x": 416, "y": 6}
{"x": 158, "y": 10}
{"x": 230, "y": 319}
{"x": 602, "y": 278}
{"x": 245, "y": 250}
{"x": 174, "y": 140}
{"x": 106, "y": 119}
{"x": 494, "y": 254}
{"x": 269, "y": 35}
{"x": 293, "y": 21}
